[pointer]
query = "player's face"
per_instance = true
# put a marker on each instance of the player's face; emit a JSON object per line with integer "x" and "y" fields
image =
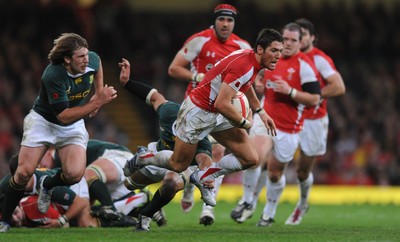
{"x": 224, "y": 27}
{"x": 18, "y": 217}
{"x": 271, "y": 55}
{"x": 79, "y": 61}
{"x": 291, "y": 43}
{"x": 306, "y": 40}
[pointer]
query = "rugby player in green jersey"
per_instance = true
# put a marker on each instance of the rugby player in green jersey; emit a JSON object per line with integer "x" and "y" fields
{"x": 57, "y": 119}
{"x": 105, "y": 178}
{"x": 70, "y": 205}
{"x": 172, "y": 182}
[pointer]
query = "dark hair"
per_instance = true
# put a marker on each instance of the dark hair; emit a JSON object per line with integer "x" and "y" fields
{"x": 293, "y": 27}
{"x": 266, "y": 36}
{"x": 64, "y": 46}
{"x": 306, "y": 24}
{"x": 13, "y": 164}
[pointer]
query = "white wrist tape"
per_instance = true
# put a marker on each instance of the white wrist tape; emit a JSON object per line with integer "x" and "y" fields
{"x": 293, "y": 93}
{"x": 260, "y": 110}
{"x": 148, "y": 97}
{"x": 197, "y": 77}
{"x": 245, "y": 124}
{"x": 62, "y": 220}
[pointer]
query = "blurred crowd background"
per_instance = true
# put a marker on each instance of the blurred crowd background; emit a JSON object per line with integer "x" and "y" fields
{"x": 363, "y": 39}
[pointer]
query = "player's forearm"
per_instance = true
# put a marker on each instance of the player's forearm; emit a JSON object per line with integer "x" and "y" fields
{"x": 335, "y": 87}
{"x": 180, "y": 73}
{"x": 76, "y": 208}
{"x": 71, "y": 115}
{"x": 254, "y": 102}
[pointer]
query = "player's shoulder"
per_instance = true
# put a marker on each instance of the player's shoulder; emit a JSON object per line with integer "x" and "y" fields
{"x": 318, "y": 52}
{"x": 242, "y": 43}
{"x": 93, "y": 56}
{"x": 304, "y": 57}
{"x": 54, "y": 72}
{"x": 241, "y": 58}
{"x": 198, "y": 39}
{"x": 236, "y": 37}
{"x": 168, "y": 110}
{"x": 94, "y": 60}
{"x": 206, "y": 33}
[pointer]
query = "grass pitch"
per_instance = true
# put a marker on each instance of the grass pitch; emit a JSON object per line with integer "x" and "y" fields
{"x": 322, "y": 223}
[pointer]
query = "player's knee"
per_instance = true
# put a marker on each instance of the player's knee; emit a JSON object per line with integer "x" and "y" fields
{"x": 73, "y": 177}
{"x": 22, "y": 176}
{"x": 177, "y": 167}
{"x": 250, "y": 162}
{"x": 302, "y": 174}
{"x": 274, "y": 176}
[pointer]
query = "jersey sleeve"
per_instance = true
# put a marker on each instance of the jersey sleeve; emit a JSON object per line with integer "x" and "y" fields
{"x": 94, "y": 60}
{"x": 324, "y": 66}
{"x": 55, "y": 86}
{"x": 239, "y": 73}
{"x": 63, "y": 195}
{"x": 307, "y": 72}
{"x": 242, "y": 44}
{"x": 193, "y": 46}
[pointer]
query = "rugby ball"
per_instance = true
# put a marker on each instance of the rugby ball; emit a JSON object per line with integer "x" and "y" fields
{"x": 241, "y": 104}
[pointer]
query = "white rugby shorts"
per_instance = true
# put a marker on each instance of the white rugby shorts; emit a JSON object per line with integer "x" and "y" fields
{"x": 314, "y": 136}
{"x": 284, "y": 144}
{"x": 194, "y": 124}
{"x": 38, "y": 132}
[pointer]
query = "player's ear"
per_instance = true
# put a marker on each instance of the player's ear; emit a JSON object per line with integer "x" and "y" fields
{"x": 260, "y": 49}
{"x": 67, "y": 60}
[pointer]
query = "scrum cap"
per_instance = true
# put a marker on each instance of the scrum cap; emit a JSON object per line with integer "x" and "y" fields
{"x": 225, "y": 10}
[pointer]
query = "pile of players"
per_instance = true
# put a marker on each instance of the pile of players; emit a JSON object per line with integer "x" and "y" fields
{"x": 201, "y": 140}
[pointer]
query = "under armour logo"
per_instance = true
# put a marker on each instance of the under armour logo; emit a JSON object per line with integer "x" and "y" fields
{"x": 212, "y": 54}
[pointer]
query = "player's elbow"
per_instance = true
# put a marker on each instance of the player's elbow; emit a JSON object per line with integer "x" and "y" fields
{"x": 172, "y": 71}
{"x": 341, "y": 90}
{"x": 64, "y": 120}
{"x": 219, "y": 105}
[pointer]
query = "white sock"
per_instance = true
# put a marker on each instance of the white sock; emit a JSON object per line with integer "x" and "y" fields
{"x": 217, "y": 185}
{"x": 159, "y": 159}
{"x": 274, "y": 192}
{"x": 262, "y": 181}
{"x": 228, "y": 164}
{"x": 305, "y": 188}
{"x": 126, "y": 205}
{"x": 249, "y": 180}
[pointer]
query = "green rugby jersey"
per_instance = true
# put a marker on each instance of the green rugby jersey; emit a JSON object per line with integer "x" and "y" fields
{"x": 167, "y": 113}
{"x": 60, "y": 86}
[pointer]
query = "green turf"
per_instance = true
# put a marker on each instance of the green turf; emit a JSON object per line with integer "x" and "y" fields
{"x": 322, "y": 223}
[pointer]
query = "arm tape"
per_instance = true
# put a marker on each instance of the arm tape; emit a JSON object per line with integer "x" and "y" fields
{"x": 311, "y": 87}
{"x": 140, "y": 90}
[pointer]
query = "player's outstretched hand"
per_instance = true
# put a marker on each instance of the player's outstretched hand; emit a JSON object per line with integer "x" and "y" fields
{"x": 125, "y": 71}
